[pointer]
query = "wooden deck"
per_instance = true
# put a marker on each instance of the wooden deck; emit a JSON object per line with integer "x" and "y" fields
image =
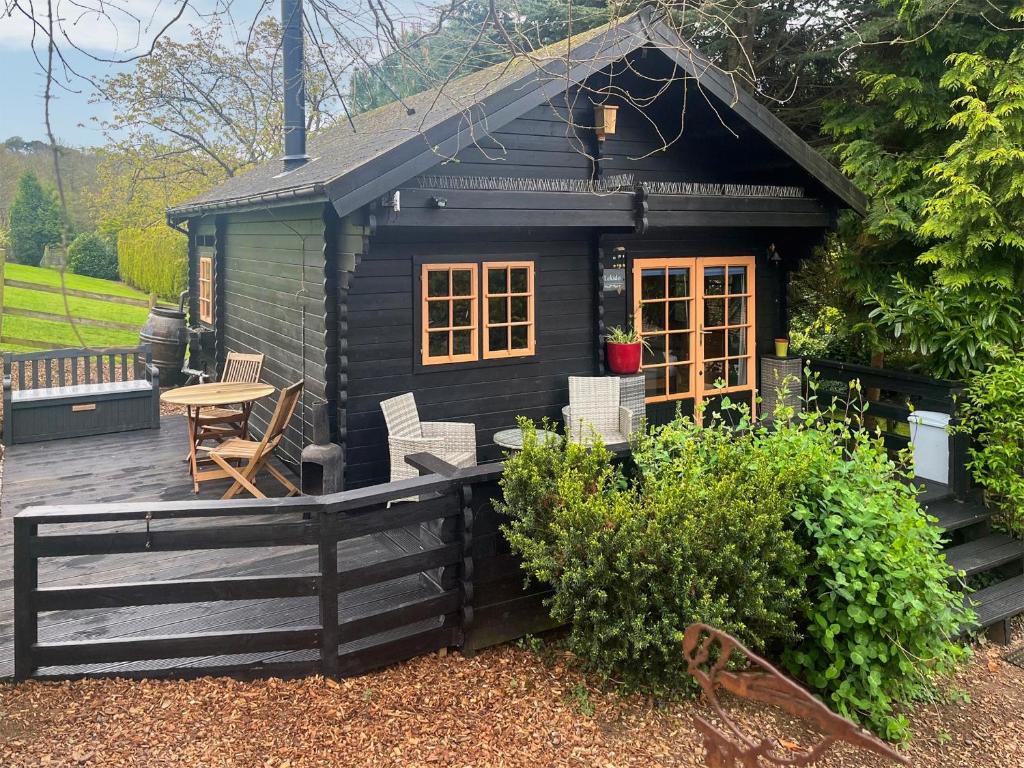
{"x": 148, "y": 466}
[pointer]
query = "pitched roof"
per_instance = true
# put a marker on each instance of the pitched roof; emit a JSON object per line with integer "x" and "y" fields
{"x": 397, "y": 141}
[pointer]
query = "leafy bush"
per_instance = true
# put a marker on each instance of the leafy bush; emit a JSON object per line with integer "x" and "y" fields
{"x": 35, "y": 220}
{"x": 994, "y": 413}
{"x": 153, "y": 259}
{"x": 702, "y": 538}
{"x": 90, "y": 254}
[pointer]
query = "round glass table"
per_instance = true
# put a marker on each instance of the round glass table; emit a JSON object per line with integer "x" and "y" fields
{"x": 512, "y": 439}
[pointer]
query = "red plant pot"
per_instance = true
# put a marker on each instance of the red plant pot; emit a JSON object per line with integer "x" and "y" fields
{"x": 624, "y": 358}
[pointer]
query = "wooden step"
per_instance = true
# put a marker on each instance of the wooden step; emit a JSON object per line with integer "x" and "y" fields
{"x": 953, "y": 514}
{"x": 985, "y": 553}
{"x": 932, "y": 492}
{"x": 999, "y": 602}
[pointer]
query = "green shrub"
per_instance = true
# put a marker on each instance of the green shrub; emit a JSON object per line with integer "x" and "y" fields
{"x": 633, "y": 567}
{"x": 994, "y": 413}
{"x": 35, "y": 220}
{"x": 154, "y": 260}
{"x": 90, "y": 254}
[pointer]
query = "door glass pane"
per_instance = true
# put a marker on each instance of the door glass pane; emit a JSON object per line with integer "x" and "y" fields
{"x": 737, "y": 311}
{"x": 678, "y": 347}
{"x": 714, "y": 312}
{"x": 437, "y": 283}
{"x": 461, "y": 314}
{"x": 438, "y": 344}
{"x": 497, "y": 339}
{"x": 462, "y": 282}
{"x": 520, "y": 305}
{"x": 678, "y": 283}
{"x": 438, "y": 314}
{"x": 679, "y": 379}
{"x": 714, "y": 281}
{"x": 738, "y": 372}
{"x": 654, "y": 382}
{"x": 519, "y": 281}
{"x": 678, "y": 315}
{"x": 520, "y": 337}
{"x": 713, "y": 373}
{"x": 462, "y": 342}
{"x": 497, "y": 310}
{"x": 652, "y": 284}
{"x": 654, "y": 350}
{"x": 496, "y": 282}
{"x": 714, "y": 344}
{"x": 737, "y": 342}
{"x": 652, "y": 317}
{"x": 737, "y": 279}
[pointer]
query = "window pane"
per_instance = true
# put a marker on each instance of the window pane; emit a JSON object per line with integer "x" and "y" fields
{"x": 654, "y": 382}
{"x": 652, "y": 284}
{"x": 496, "y": 280}
{"x": 462, "y": 342}
{"x": 714, "y": 281}
{"x": 679, "y": 379}
{"x": 714, "y": 344}
{"x": 520, "y": 308}
{"x": 462, "y": 282}
{"x": 438, "y": 313}
{"x": 654, "y": 350}
{"x": 737, "y": 279}
{"x": 737, "y": 372}
{"x": 497, "y": 339}
{"x": 497, "y": 310}
{"x": 737, "y": 311}
{"x": 738, "y": 342}
{"x": 520, "y": 336}
{"x": 714, "y": 373}
{"x": 714, "y": 312}
{"x": 678, "y": 347}
{"x": 438, "y": 345}
{"x": 437, "y": 283}
{"x": 461, "y": 313}
{"x": 678, "y": 283}
{"x": 652, "y": 317}
{"x": 679, "y": 315}
{"x": 520, "y": 284}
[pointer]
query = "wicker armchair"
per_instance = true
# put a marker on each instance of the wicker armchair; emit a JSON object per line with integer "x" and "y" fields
{"x": 452, "y": 441}
{"x": 594, "y": 409}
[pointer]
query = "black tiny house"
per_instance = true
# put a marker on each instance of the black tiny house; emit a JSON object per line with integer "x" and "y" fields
{"x": 473, "y": 246}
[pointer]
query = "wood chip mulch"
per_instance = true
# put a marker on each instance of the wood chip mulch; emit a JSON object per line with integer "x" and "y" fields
{"x": 505, "y": 707}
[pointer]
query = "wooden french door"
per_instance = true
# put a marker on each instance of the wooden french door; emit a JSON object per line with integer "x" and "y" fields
{"x": 697, "y": 319}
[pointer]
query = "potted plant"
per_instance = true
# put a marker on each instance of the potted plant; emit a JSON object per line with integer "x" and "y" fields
{"x": 624, "y": 347}
{"x": 782, "y": 347}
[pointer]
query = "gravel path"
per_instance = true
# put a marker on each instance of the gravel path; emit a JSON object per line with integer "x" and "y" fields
{"x": 506, "y": 707}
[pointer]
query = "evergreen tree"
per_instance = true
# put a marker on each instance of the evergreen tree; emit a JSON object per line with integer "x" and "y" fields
{"x": 34, "y": 220}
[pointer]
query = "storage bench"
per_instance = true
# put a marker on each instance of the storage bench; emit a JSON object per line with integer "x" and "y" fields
{"x": 77, "y": 392}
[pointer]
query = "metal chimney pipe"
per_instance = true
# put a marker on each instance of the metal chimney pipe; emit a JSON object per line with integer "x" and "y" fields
{"x": 294, "y": 85}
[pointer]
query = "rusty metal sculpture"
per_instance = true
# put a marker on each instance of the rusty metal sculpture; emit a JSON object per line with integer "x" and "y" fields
{"x": 708, "y": 653}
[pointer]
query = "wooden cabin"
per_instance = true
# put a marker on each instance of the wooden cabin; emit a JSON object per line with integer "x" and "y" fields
{"x": 473, "y": 247}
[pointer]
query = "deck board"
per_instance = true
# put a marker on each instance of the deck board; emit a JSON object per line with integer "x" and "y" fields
{"x": 148, "y": 466}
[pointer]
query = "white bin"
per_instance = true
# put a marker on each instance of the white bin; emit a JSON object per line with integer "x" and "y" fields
{"x": 930, "y": 438}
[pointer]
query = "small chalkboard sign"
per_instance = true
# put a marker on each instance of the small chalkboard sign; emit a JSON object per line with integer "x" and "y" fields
{"x": 614, "y": 280}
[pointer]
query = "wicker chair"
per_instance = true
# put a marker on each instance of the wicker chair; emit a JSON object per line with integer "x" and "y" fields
{"x": 452, "y": 441}
{"x": 594, "y": 409}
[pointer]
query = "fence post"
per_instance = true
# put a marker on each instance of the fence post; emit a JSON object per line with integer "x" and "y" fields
{"x": 26, "y": 580}
{"x": 328, "y": 556}
{"x": 959, "y": 443}
{"x": 466, "y": 570}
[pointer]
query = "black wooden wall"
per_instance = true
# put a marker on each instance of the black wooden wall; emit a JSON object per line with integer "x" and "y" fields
{"x": 384, "y": 348}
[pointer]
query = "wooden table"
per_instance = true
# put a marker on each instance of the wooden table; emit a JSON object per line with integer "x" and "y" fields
{"x": 214, "y": 395}
{"x": 512, "y": 439}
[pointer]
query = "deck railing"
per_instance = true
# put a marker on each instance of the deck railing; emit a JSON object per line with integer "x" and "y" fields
{"x": 891, "y": 396}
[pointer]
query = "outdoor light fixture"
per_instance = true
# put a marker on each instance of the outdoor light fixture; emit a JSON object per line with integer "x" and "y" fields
{"x": 774, "y": 257}
{"x": 604, "y": 120}
{"x": 438, "y": 202}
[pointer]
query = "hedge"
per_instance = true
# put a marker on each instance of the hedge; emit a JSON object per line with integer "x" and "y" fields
{"x": 154, "y": 260}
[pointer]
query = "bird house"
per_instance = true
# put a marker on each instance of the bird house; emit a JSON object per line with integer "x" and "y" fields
{"x": 604, "y": 120}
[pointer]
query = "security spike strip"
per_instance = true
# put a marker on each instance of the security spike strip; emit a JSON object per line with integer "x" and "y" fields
{"x": 610, "y": 184}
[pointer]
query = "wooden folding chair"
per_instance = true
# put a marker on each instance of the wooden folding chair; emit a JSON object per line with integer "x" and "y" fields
{"x": 223, "y": 423}
{"x": 256, "y": 454}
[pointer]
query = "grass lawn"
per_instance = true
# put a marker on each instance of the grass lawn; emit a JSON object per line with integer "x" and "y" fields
{"x": 62, "y": 333}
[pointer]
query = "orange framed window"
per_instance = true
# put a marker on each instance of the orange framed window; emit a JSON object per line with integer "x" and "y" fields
{"x": 665, "y": 315}
{"x": 508, "y": 309}
{"x": 727, "y": 324}
{"x": 449, "y": 313}
{"x": 206, "y": 289}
